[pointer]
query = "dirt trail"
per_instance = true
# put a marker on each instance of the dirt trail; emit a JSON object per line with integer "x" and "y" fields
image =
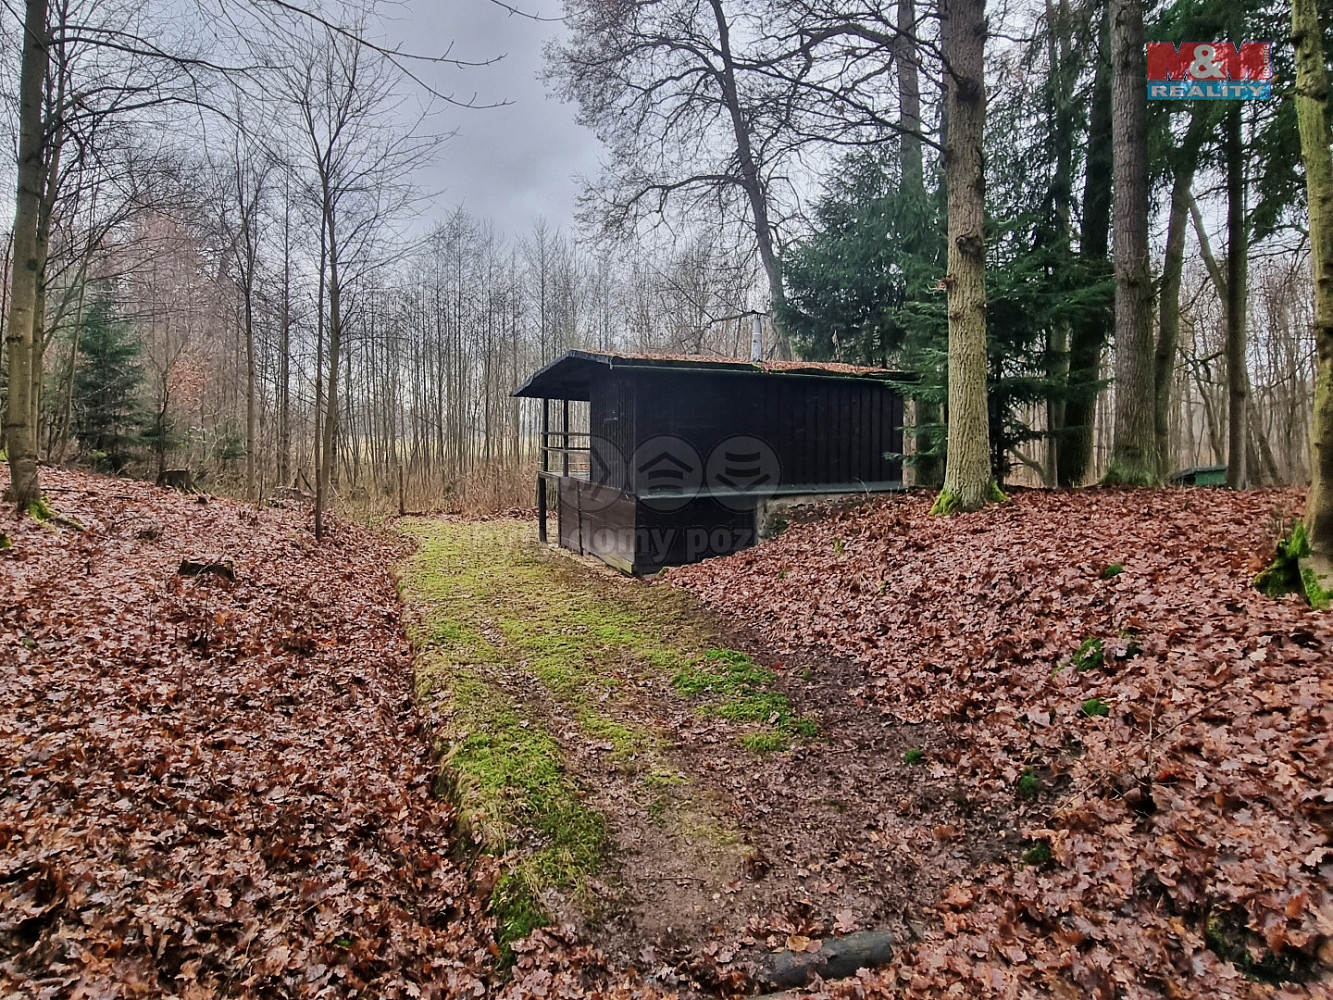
{"x": 653, "y": 777}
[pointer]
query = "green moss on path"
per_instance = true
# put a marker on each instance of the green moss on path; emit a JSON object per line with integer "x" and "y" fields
{"x": 533, "y": 660}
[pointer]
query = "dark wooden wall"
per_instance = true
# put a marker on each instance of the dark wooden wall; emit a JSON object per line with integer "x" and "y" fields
{"x": 825, "y": 431}
{"x": 598, "y": 521}
{"x": 612, "y": 423}
{"x": 701, "y": 529}
{"x": 639, "y": 537}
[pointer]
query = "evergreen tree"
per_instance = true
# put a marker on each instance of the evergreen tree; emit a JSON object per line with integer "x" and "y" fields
{"x": 108, "y": 415}
{"x": 863, "y": 288}
{"x": 858, "y": 289}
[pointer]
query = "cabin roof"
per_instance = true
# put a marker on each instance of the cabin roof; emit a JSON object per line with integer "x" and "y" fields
{"x": 569, "y": 376}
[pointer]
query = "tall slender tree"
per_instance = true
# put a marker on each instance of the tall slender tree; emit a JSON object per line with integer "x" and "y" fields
{"x": 1312, "y": 109}
{"x": 1238, "y": 239}
{"x": 967, "y": 471}
{"x": 21, "y": 402}
{"x": 1184, "y": 159}
{"x": 1089, "y": 334}
{"x": 1134, "y": 452}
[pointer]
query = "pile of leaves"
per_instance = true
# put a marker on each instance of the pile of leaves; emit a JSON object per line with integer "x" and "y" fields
{"x": 1163, "y": 727}
{"x": 215, "y": 783}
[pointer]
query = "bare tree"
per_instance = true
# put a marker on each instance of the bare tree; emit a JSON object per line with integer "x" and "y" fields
{"x": 21, "y": 403}
{"x": 1238, "y": 381}
{"x": 358, "y": 159}
{"x": 685, "y": 116}
{"x": 1183, "y": 165}
{"x": 241, "y": 200}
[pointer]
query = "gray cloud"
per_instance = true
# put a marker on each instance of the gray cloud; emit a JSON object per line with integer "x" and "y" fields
{"x": 508, "y": 164}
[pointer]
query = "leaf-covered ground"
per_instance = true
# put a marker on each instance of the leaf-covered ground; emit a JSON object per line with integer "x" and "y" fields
{"x": 687, "y": 800}
{"x": 1163, "y": 727}
{"x": 222, "y": 789}
{"x": 1063, "y": 747}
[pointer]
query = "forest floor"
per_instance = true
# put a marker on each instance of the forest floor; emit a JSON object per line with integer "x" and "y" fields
{"x": 1106, "y": 663}
{"x": 1058, "y": 747}
{"x": 653, "y": 776}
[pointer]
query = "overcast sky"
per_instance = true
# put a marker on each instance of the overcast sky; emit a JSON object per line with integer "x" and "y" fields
{"x": 509, "y": 164}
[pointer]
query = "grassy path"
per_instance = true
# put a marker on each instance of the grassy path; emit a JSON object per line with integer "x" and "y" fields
{"x": 564, "y": 695}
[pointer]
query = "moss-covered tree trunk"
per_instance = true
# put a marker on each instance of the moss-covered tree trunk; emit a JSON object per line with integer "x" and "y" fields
{"x": 21, "y": 401}
{"x": 967, "y": 474}
{"x": 1134, "y": 451}
{"x": 1312, "y": 115}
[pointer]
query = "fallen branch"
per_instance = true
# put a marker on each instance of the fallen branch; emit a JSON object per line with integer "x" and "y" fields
{"x": 837, "y": 959}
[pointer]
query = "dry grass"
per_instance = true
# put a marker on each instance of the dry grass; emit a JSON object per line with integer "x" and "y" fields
{"x": 508, "y": 487}
{"x": 487, "y": 490}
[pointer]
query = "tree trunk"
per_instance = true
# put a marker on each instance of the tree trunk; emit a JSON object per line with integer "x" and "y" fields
{"x": 251, "y": 410}
{"x": 20, "y": 414}
{"x": 66, "y": 417}
{"x": 1312, "y": 102}
{"x": 751, "y": 182}
{"x": 928, "y": 468}
{"x": 320, "y": 416}
{"x": 967, "y": 474}
{"x": 1168, "y": 324}
{"x": 1264, "y": 472}
{"x": 1133, "y": 450}
{"x": 329, "y": 452}
{"x": 905, "y": 58}
{"x": 1064, "y": 71}
{"x": 1238, "y": 381}
{"x": 285, "y": 349}
{"x": 1089, "y": 335}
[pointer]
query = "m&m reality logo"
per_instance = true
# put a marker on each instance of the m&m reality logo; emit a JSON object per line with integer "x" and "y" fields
{"x": 1210, "y": 71}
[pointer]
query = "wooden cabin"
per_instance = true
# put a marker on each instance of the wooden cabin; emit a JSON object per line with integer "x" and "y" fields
{"x": 661, "y": 460}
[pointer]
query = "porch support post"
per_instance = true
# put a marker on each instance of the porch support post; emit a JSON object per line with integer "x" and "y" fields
{"x": 564, "y": 426}
{"x": 545, "y": 467}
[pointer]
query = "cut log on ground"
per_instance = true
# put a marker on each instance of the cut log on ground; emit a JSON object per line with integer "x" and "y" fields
{"x": 197, "y": 567}
{"x": 837, "y": 959}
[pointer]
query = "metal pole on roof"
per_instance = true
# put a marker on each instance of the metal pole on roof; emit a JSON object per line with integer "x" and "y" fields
{"x": 757, "y": 339}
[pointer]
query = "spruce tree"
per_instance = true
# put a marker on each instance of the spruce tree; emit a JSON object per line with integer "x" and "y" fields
{"x": 108, "y": 412}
